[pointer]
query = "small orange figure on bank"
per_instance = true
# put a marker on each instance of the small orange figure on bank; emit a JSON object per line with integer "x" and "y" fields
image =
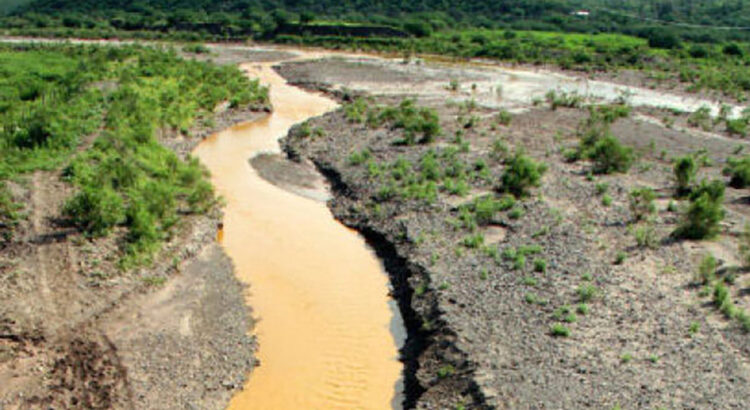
{"x": 220, "y": 232}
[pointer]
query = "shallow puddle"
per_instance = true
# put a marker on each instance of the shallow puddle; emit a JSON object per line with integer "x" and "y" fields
{"x": 326, "y": 323}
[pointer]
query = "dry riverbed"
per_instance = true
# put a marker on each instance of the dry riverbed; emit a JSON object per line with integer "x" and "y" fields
{"x": 641, "y": 334}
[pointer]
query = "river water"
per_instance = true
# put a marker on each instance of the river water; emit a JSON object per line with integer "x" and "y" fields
{"x": 319, "y": 292}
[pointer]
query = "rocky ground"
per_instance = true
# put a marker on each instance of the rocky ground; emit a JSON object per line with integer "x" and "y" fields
{"x": 641, "y": 332}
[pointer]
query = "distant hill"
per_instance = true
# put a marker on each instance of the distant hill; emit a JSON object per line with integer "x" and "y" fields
{"x": 263, "y": 16}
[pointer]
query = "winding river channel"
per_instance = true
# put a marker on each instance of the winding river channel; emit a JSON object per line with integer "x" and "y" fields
{"x": 320, "y": 294}
{"x": 328, "y": 333}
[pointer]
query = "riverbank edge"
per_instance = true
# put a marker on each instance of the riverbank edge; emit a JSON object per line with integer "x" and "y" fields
{"x": 222, "y": 266}
{"x": 431, "y": 342}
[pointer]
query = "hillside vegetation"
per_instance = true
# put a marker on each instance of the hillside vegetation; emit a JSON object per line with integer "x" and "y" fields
{"x": 637, "y": 17}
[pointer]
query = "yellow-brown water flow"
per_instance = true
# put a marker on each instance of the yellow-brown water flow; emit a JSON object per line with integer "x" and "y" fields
{"x": 319, "y": 293}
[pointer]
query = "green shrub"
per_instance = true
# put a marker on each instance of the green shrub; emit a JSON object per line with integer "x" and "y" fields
{"x": 609, "y": 113}
{"x": 645, "y": 236}
{"x": 586, "y": 293}
{"x": 356, "y": 111}
{"x": 744, "y": 318}
{"x": 564, "y": 313}
{"x": 713, "y": 189}
{"x": 707, "y": 269}
{"x": 733, "y": 49}
{"x": 503, "y": 117}
{"x": 359, "y": 157}
{"x": 9, "y": 215}
{"x": 540, "y": 265}
{"x": 559, "y": 330}
{"x": 582, "y": 309}
{"x": 723, "y": 300}
{"x": 738, "y": 169}
{"x": 473, "y": 241}
{"x": 521, "y": 173}
{"x": 563, "y": 99}
{"x": 610, "y": 156}
{"x": 414, "y": 121}
{"x": 626, "y": 357}
{"x": 685, "y": 169}
{"x": 456, "y": 186}
{"x": 516, "y": 213}
{"x": 737, "y": 126}
{"x": 196, "y": 49}
{"x": 304, "y": 130}
{"x": 201, "y": 197}
{"x": 95, "y": 210}
{"x": 702, "y": 217}
{"x": 445, "y": 371}
{"x": 701, "y": 118}
{"x": 601, "y": 188}
{"x": 486, "y": 207}
{"x": 620, "y": 257}
{"x": 499, "y": 150}
{"x": 642, "y": 203}
{"x": 429, "y": 167}
{"x": 663, "y": 39}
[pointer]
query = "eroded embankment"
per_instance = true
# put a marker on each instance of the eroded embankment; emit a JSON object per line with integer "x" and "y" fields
{"x": 430, "y": 343}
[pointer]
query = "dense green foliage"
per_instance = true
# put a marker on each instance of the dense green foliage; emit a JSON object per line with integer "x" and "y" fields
{"x": 421, "y": 17}
{"x": 56, "y": 95}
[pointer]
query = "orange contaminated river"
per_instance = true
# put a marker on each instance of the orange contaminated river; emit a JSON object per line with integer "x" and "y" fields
{"x": 319, "y": 292}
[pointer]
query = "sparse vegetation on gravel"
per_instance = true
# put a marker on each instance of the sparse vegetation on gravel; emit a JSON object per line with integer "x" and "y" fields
{"x": 602, "y": 275}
